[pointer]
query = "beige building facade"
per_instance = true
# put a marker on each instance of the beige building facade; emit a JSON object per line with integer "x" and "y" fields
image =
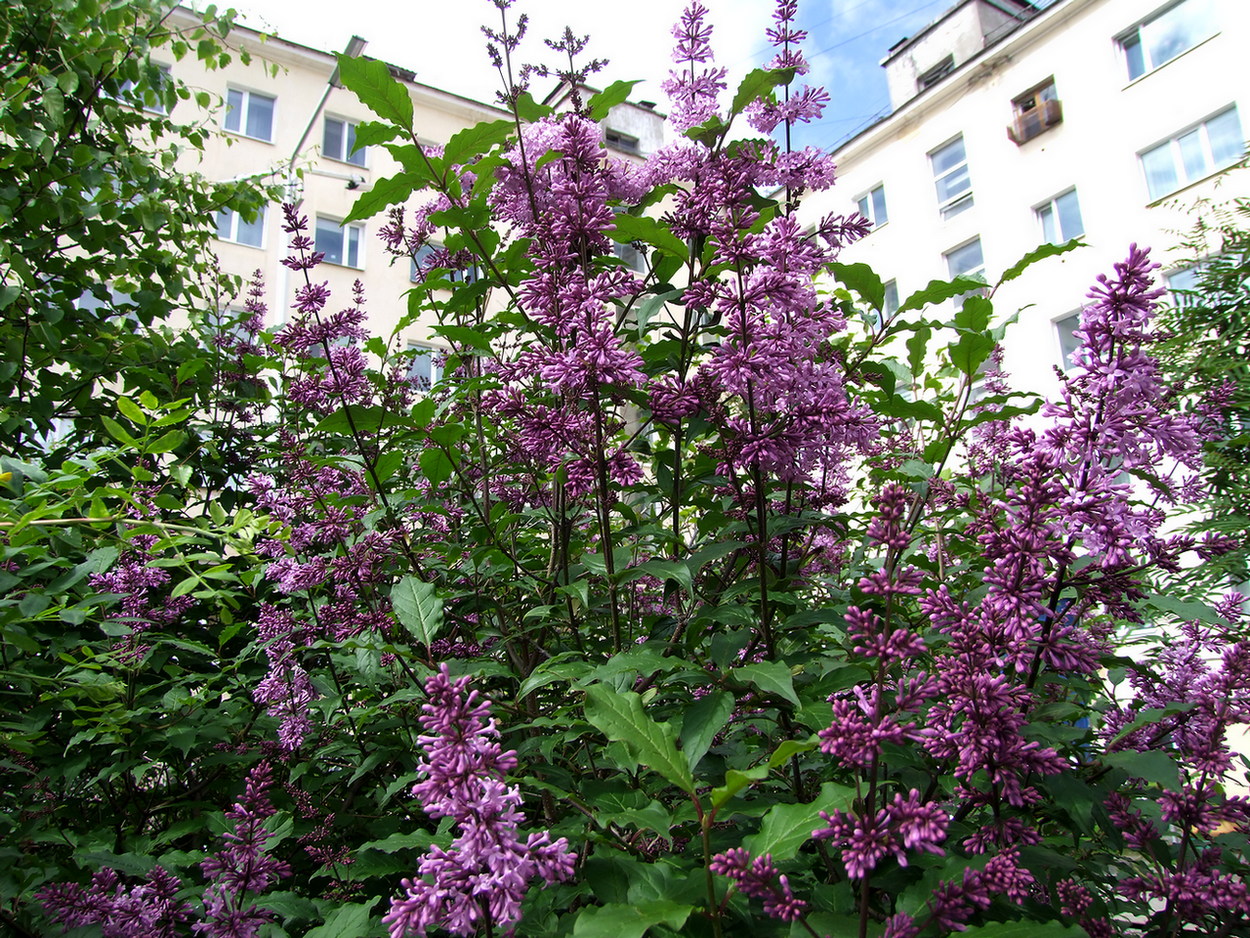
{"x": 284, "y": 110}
{"x": 1015, "y": 124}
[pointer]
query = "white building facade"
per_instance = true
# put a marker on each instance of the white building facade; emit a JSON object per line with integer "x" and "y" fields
{"x": 1014, "y": 124}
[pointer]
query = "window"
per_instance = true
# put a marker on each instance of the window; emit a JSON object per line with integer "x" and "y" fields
{"x": 1189, "y": 156}
{"x": 250, "y": 114}
{"x": 1166, "y": 35}
{"x": 338, "y": 142}
{"x": 966, "y": 261}
{"x": 936, "y": 73}
{"x": 1182, "y": 284}
{"x": 950, "y": 175}
{"x": 630, "y": 255}
{"x": 1065, "y": 331}
{"x": 620, "y": 141}
{"x": 341, "y": 245}
{"x": 149, "y": 98}
{"x": 891, "y": 304}
{"x": 1036, "y": 111}
{"x": 1061, "y": 218}
{"x": 425, "y": 367}
{"x": 421, "y": 260}
{"x": 872, "y": 206}
{"x": 231, "y": 226}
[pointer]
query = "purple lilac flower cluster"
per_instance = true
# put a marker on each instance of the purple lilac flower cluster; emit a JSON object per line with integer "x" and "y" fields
{"x": 759, "y": 879}
{"x": 485, "y": 872}
{"x": 151, "y": 908}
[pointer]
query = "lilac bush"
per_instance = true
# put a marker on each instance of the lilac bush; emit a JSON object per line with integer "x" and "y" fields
{"x": 794, "y": 616}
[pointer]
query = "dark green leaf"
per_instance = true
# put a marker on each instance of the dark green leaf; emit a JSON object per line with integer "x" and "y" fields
{"x": 1037, "y": 254}
{"x": 620, "y": 717}
{"x": 786, "y": 827}
{"x": 705, "y": 718}
{"x": 616, "y": 93}
{"x": 476, "y": 140}
{"x": 772, "y": 677}
{"x": 863, "y": 280}
{"x": 378, "y": 90}
{"x": 629, "y": 920}
{"x": 418, "y": 608}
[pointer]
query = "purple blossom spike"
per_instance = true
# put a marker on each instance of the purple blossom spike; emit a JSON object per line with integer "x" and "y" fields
{"x": 488, "y": 868}
{"x": 759, "y": 879}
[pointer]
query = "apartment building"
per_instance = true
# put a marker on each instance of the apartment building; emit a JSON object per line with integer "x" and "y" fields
{"x": 285, "y": 109}
{"x": 1015, "y": 123}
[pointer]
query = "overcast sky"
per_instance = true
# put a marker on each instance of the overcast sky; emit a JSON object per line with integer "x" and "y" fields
{"x": 442, "y": 42}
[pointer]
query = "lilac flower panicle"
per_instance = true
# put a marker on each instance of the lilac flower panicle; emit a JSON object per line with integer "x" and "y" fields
{"x": 759, "y": 879}
{"x": 488, "y": 868}
{"x": 150, "y": 909}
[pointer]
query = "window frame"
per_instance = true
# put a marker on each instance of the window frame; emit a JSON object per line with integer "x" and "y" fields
{"x": 935, "y": 73}
{"x": 237, "y": 221}
{"x": 1132, "y": 37}
{"x": 625, "y": 143}
{"x": 132, "y": 93}
{"x": 866, "y": 205}
{"x": 358, "y": 158}
{"x": 1052, "y": 204}
{"x": 434, "y": 352}
{"x": 963, "y": 200}
{"x": 1177, "y": 154}
{"x": 1059, "y": 332}
{"x": 344, "y": 248}
{"x": 244, "y": 111}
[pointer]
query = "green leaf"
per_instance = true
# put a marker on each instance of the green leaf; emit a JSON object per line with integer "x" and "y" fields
{"x": 530, "y": 110}
{"x": 1153, "y": 765}
{"x": 116, "y": 431}
{"x": 939, "y": 291}
{"x": 673, "y": 570}
{"x": 435, "y": 465}
{"x": 629, "y": 920}
{"x": 649, "y": 231}
{"x": 377, "y": 89}
{"x": 786, "y": 827}
{"x": 374, "y": 133}
{"x": 772, "y": 677}
{"x": 616, "y": 93}
{"x": 476, "y": 140}
{"x": 916, "y": 346}
{"x": 463, "y": 335}
{"x": 735, "y": 781}
{"x": 392, "y": 190}
{"x": 130, "y": 410}
{"x": 166, "y": 442}
{"x": 971, "y": 351}
{"x": 418, "y": 608}
{"x": 863, "y": 280}
{"x": 1024, "y": 929}
{"x": 347, "y": 921}
{"x": 620, "y": 717}
{"x": 789, "y": 748}
{"x": 1037, "y": 254}
{"x": 757, "y": 83}
{"x": 703, "y": 720}
{"x": 975, "y": 314}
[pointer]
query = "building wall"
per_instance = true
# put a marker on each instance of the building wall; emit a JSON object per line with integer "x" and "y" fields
{"x": 1108, "y": 120}
{"x": 330, "y": 186}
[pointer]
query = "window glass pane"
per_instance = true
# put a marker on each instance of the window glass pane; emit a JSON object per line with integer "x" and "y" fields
{"x": 252, "y": 232}
{"x": 1224, "y": 132}
{"x": 421, "y": 367}
{"x": 353, "y": 246}
{"x": 862, "y": 207}
{"x": 891, "y": 297}
{"x": 259, "y": 116}
{"x": 1068, "y": 342}
{"x": 1047, "y": 214}
{"x": 1182, "y": 282}
{"x": 358, "y": 158}
{"x": 1133, "y": 53}
{"x": 225, "y": 224}
{"x": 234, "y": 110}
{"x": 1070, "y": 225}
{"x": 1160, "y": 170}
{"x": 1180, "y": 28}
{"x": 330, "y": 240}
{"x": 332, "y": 141}
{"x": 1193, "y": 158}
{"x": 965, "y": 259}
{"x": 878, "y": 206}
{"x": 949, "y": 156}
{"x": 953, "y": 184}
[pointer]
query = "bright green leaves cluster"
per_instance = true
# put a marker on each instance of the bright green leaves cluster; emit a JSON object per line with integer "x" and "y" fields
{"x": 99, "y": 238}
